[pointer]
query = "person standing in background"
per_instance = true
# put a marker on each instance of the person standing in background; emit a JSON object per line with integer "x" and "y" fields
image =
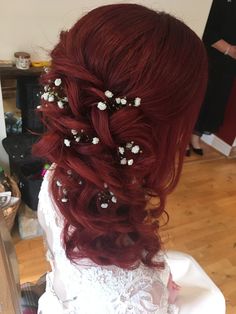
{"x": 220, "y": 41}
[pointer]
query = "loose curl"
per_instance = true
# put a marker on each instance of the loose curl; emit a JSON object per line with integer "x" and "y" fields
{"x": 133, "y": 52}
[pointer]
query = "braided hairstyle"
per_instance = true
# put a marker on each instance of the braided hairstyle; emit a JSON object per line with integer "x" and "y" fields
{"x": 129, "y": 52}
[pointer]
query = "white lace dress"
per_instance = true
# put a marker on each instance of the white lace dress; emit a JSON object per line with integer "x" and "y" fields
{"x": 87, "y": 288}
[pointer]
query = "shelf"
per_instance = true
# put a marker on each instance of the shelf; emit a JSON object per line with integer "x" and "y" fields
{"x": 13, "y": 72}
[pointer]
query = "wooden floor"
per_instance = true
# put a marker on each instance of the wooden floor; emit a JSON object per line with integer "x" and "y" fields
{"x": 202, "y": 223}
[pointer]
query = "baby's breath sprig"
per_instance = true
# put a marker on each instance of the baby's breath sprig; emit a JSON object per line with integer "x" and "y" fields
{"x": 117, "y": 103}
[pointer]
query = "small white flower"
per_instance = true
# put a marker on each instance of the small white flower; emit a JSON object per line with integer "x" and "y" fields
{"x": 104, "y": 205}
{"x": 45, "y": 96}
{"x": 77, "y": 139}
{"x": 108, "y": 94}
{"x": 65, "y": 99}
{"x": 123, "y": 161}
{"x": 80, "y": 182}
{"x": 46, "y": 88}
{"x": 137, "y": 102}
{"x": 113, "y": 199}
{"x": 58, "y": 183}
{"x": 64, "y": 191}
{"x": 123, "y": 101}
{"x": 51, "y": 98}
{"x": 95, "y": 140}
{"x": 129, "y": 145}
{"x": 64, "y": 200}
{"x": 74, "y": 132}
{"x": 69, "y": 172}
{"x": 130, "y": 162}
{"x": 118, "y": 100}
{"x": 121, "y": 150}
{"x": 101, "y": 105}
{"x": 105, "y": 185}
{"x": 67, "y": 142}
{"x": 135, "y": 149}
{"x": 60, "y": 104}
{"x": 39, "y": 107}
{"x": 57, "y": 82}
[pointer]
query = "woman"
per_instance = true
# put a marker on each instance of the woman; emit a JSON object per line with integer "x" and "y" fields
{"x": 120, "y": 101}
{"x": 220, "y": 40}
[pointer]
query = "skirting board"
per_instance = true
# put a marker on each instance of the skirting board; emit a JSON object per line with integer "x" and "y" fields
{"x": 234, "y": 143}
{"x": 217, "y": 143}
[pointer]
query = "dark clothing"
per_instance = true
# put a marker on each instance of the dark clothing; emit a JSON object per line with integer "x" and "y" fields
{"x": 221, "y": 24}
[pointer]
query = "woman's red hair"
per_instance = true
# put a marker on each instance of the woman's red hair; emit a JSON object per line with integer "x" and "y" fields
{"x": 133, "y": 52}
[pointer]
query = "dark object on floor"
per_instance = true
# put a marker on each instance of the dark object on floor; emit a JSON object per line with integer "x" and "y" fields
{"x": 19, "y": 146}
{"x": 198, "y": 151}
{"x": 26, "y": 167}
{"x": 30, "y": 181}
{"x": 29, "y": 301}
{"x": 30, "y": 294}
{"x": 188, "y": 152}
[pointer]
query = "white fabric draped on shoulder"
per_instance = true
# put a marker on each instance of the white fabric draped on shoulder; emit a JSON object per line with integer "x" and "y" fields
{"x": 88, "y": 288}
{"x": 198, "y": 292}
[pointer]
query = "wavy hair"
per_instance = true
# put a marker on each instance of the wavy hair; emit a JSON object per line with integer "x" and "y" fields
{"x": 134, "y": 52}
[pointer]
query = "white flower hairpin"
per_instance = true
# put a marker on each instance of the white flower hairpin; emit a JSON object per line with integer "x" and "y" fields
{"x": 57, "y": 82}
{"x": 114, "y": 104}
{"x": 126, "y": 153}
{"x": 54, "y": 93}
{"x": 106, "y": 197}
{"x": 67, "y": 142}
{"x": 80, "y": 137}
{"x": 108, "y": 94}
{"x": 102, "y": 106}
{"x": 62, "y": 190}
{"x": 95, "y": 140}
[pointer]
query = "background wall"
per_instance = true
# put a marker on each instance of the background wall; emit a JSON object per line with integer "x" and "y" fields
{"x": 34, "y": 25}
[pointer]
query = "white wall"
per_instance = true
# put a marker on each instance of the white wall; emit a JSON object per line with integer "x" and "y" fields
{"x": 34, "y": 25}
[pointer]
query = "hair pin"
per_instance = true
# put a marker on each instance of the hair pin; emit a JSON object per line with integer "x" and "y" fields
{"x": 81, "y": 137}
{"x": 52, "y": 92}
{"x": 126, "y": 151}
{"x": 106, "y": 197}
{"x": 117, "y": 103}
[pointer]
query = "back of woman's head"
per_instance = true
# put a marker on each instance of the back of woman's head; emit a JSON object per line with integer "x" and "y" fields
{"x": 122, "y": 96}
